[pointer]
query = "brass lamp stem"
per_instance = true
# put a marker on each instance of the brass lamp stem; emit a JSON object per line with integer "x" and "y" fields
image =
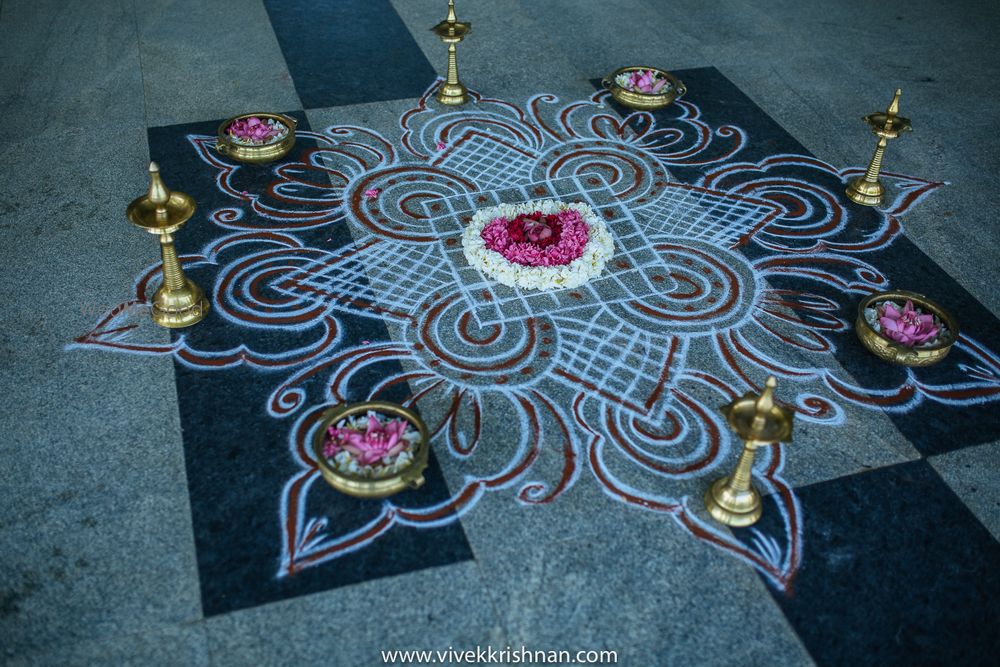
{"x": 173, "y": 278}
{"x": 875, "y": 166}
{"x": 740, "y": 479}
{"x": 452, "y": 65}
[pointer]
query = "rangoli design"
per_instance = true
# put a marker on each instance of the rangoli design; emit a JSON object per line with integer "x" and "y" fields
{"x": 713, "y": 286}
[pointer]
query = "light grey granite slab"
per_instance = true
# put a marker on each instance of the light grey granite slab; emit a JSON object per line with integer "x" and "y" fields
{"x": 209, "y": 60}
{"x": 431, "y": 609}
{"x": 67, "y": 65}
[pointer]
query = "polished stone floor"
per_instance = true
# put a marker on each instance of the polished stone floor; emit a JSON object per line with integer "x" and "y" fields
{"x": 134, "y": 533}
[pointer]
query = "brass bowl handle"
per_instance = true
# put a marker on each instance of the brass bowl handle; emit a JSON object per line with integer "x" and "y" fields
{"x": 681, "y": 89}
{"x": 220, "y": 147}
{"x": 902, "y": 354}
{"x": 606, "y": 83}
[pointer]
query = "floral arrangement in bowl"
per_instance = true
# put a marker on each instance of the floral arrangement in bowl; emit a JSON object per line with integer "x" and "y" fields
{"x": 907, "y": 325}
{"x": 372, "y": 449}
{"x": 254, "y": 131}
{"x": 646, "y": 82}
{"x": 642, "y": 87}
{"x": 539, "y": 245}
{"x": 905, "y": 328}
{"x": 256, "y": 138}
{"x": 372, "y": 446}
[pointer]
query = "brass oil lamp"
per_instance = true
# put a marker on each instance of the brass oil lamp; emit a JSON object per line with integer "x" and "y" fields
{"x": 452, "y": 31}
{"x": 867, "y": 190}
{"x": 178, "y": 302}
{"x": 757, "y": 420}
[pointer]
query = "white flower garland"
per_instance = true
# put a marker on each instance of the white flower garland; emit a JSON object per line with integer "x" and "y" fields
{"x": 599, "y": 249}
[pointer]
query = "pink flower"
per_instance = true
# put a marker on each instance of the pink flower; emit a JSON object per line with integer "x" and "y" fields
{"x": 908, "y": 327}
{"x": 646, "y": 81}
{"x": 253, "y": 130}
{"x": 380, "y": 440}
{"x": 372, "y": 193}
{"x": 441, "y": 145}
{"x": 537, "y": 240}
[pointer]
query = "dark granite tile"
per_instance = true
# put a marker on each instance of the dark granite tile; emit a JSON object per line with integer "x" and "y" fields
{"x": 349, "y": 51}
{"x": 238, "y": 456}
{"x": 895, "y": 571}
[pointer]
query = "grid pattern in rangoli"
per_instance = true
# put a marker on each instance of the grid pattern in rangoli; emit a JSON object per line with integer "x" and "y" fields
{"x": 487, "y": 160}
{"x": 612, "y": 355}
{"x": 380, "y": 279}
{"x": 634, "y": 273}
{"x": 684, "y": 211}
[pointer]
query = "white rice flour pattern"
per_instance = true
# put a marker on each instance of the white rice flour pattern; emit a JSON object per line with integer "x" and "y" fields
{"x": 619, "y": 378}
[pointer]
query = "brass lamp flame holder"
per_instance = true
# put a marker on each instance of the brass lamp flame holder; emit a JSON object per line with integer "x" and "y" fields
{"x": 451, "y": 31}
{"x": 867, "y": 190}
{"x": 757, "y": 420}
{"x": 178, "y": 302}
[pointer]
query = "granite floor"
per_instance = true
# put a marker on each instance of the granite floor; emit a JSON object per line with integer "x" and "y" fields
{"x": 135, "y": 533}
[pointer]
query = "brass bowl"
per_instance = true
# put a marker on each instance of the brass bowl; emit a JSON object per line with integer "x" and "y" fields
{"x": 410, "y": 477}
{"x": 893, "y": 352}
{"x": 256, "y": 154}
{"x": 644, "y": 101}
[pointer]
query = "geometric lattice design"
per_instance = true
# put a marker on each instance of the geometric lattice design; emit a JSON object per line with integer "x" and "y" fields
{"x": 690, "y": 212}
{"x": 489, "y": 160}
{"x": 623, "y": 363}
{"x": 634, "y": 273}
{"x": 356, "y": 281}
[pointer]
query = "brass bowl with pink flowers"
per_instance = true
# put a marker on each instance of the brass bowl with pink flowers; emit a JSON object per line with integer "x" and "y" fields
{"x": 896, "y": 353}
{"x": 644, "y": 101}
{"x": 359, "y": 486}
{"x": 268, "y": 151}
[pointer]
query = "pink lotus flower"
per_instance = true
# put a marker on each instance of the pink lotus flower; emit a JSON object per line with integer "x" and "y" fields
{"x": 380, "y": 440}
{"x": 372, "y": 193}
{"x": 253, "y": 129}
{"x": 907, "y": 327}
{"x": 441, "y": 145}
{"x": 646, "y": 81}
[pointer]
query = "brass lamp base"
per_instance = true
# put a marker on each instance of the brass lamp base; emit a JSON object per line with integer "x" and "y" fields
{"x": 731, "y": 506}
{"x": 452, "y": 94}
{"x": 179, "y": 308}
{"x": 865, "y": 192}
